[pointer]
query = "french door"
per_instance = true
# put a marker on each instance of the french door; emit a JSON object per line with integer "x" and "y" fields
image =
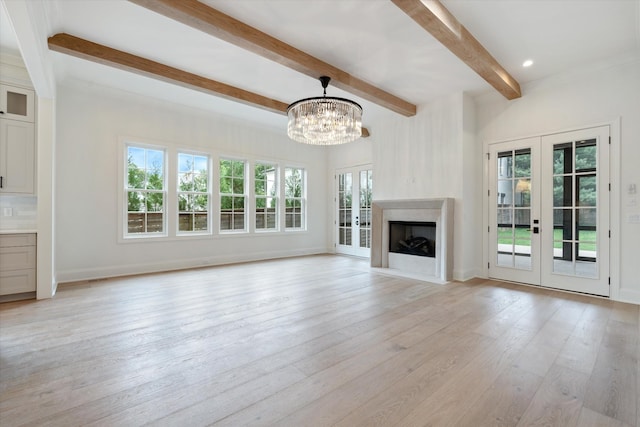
{"x": 549, "y": 211}
{"x": 353, "y": 211}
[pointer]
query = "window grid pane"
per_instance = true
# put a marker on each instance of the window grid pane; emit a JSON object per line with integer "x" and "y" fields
{"x": 513, "y": 207}
{"x": 232, "y": 195}
{"x": 575, "y": 195}
{"x": 193, "y": 193}
{"x": 295, "y": 201}
{"x": 145, "y": 191}
{"x": 266, "y": 200}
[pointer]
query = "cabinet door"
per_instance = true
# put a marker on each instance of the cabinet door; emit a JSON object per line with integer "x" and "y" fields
{"x": 17, "y": 281}
{"x": 17, "y": 103}
{"x": 17, "y": 157}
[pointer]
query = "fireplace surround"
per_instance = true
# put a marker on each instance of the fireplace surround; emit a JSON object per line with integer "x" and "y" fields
{"x": 436, "y": 268}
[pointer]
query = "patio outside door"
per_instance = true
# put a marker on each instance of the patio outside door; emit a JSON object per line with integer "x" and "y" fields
{"x": 549, "y": 211}
{"x": 353, "y": 211}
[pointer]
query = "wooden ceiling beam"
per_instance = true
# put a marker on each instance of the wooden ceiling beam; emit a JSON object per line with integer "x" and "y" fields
{"x": 211, "y": 21}
{"x": 441, "y": 24}
{"x": 90, "y": 51}
{"x": 81, "y": 48}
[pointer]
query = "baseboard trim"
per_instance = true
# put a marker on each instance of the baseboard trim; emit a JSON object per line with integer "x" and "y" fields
{"x": 628, "y": 295}
{"x": 79, "y": 275}
{"x": 464, "y": 275}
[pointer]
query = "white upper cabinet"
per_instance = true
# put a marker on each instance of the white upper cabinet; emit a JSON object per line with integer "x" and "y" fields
{"x": 17, "y": 157}
{"x": 17, "y": 103}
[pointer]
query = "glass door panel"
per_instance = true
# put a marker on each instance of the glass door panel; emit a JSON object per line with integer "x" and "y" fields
{"x": 345, "y": 197}
{"x": 366, "y": 196}
{"x": 579, "y": 208}
{"x": 353, "y": 211}
{"x": 513, "y": 211}
{"x": 549, "y": 218}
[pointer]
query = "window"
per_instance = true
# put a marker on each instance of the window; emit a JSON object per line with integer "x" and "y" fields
{"x": 193, "y": 193}
{"x": 232, "y": 195}
{"x": 145, "y": 191}
{"x": 294, "y": 193}
{"x": 266, "y": 193}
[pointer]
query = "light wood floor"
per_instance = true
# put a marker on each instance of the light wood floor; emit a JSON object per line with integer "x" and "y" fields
{"x": 316, "y": 341}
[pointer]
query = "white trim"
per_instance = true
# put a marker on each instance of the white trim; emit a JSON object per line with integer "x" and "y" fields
{"x": 171, "y": 150}
{"x": 464, "y": 275}
{"x": 254, "y": 197}
{"x": 615, "y": 220}
{"x": 617, "y": 292}
{"x": 156, "y": 267}
{"x": 209, "y": 194}
{"x": 245, "y": 193}
{"x": 354, "y": 249}
{"x": 628, "y": 295}
{"x": 124, "y": 236}
{"x": 303, "y": 200}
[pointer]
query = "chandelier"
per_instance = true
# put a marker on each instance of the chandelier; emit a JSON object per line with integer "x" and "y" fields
{"x": 324, "y": 120}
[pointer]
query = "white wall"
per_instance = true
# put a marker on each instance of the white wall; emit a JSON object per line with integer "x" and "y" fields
{"x": 90, "y": 122}
{"x": 434, "y": 155}
{"x": 591, "y": 96}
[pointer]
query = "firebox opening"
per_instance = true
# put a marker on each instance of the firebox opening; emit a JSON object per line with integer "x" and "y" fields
{"x": 412, "y": 238}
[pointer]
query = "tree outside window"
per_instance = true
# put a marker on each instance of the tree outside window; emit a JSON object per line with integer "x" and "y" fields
{"x": 232, "y": 195}
{"x": 266, "y": 196}
{"x": 193, "y": 192}
{"x": 145, "y": 190}
{"x": 295, "y": 202}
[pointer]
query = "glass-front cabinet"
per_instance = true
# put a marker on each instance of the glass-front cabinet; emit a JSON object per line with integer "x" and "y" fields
{"x": 17, "y": 103}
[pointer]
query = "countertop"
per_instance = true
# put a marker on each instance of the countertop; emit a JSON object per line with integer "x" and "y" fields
{"x": 19, "y": 231}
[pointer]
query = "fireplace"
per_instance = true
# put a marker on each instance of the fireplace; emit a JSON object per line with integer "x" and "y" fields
{"x": 413, "y": 238}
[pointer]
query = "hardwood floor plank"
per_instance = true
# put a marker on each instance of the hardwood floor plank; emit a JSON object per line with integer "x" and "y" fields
{"x": 589, "y": 418}
{"x": 217, "y": 405}
{"x": 448, "y": 404}
{"x": 558, "y": 401}
{"x": 315, "y": 340}
{"x": 504, "y": 403}
{"x": 432, "y": 371}
{"x": 269, "y": 410}
{"x": 612, "y": 388}
{"x": 581, "y": 349}
{"x": 542, "y": 351}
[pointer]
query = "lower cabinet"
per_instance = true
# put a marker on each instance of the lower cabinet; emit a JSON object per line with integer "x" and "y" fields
{"x": 17, "y": 263}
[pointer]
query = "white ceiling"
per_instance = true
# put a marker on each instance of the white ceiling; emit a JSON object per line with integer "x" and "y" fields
{"x": 371, "y": 39}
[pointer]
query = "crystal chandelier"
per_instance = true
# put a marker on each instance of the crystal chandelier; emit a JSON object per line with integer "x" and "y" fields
{"x": 324, "y": 120}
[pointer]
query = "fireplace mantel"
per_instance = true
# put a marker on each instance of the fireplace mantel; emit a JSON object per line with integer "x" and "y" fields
{"x": 439, "y": 211}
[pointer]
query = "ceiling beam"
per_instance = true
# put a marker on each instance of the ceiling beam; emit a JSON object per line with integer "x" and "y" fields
{"x": 90, "y": 51}
{"x": 441, "y": 24}
{"x": 81, "y": 48}
{"x": 211, "y": 21}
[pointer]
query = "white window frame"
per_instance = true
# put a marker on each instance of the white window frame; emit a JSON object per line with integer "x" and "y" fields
{"x": 125, "y": 191}
{"x": 256, "y": 197}
{"x": 302, "y": 199}
{"x": 247, "y": 207}
{"x": 192, "y": 193}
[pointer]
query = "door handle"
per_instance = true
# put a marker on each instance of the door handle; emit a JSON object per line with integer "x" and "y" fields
{"x": 536, "y": 230}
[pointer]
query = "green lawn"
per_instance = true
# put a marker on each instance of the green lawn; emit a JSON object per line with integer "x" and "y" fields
{"x": 523, "y": 238}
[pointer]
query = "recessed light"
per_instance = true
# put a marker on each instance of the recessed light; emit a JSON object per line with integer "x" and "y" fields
{"x": 527, "y": 63}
